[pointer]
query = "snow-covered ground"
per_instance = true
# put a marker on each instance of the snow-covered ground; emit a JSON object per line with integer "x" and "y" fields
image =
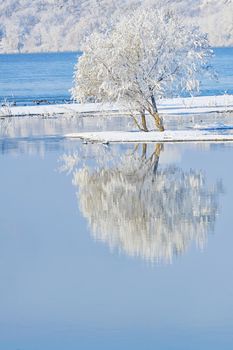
{"x": 174, "y": 106}
{"x": 180, "y": 106}
{"x": 50, "y": 110}
{"x": 208, "y": 119}
{"x": 153, "y": 136}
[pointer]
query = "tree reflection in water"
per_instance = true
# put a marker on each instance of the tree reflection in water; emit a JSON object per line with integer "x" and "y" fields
{"x": 142, "y": 210}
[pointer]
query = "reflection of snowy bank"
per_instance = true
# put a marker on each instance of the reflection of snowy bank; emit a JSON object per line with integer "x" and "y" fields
{"x": 19, "y": 127}
{"x": 133, "y": 206}
{"x": 35, "y": 146}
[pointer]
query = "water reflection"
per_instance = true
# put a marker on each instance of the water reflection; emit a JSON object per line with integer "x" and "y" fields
{"x": 5, "y": 126}
{"x": 54, "y": 125}
{"x": 140, "y": 208}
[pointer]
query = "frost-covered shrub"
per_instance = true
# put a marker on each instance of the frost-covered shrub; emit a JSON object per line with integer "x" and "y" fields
{"x": 148, "y": 54}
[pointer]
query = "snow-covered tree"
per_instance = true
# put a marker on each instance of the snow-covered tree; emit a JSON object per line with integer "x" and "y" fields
{"x": 138, "y": 208}
{"x": 148, "y": 54}
{"x": 62, "y": 24}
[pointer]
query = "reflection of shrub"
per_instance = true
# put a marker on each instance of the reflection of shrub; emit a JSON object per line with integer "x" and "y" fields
{"x": 144, "y": 212}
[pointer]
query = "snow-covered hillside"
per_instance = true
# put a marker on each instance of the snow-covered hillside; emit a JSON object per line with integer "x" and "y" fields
{"x": 60, "y": 25}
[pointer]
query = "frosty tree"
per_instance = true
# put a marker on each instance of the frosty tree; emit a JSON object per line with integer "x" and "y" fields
{"x": 147, "y": 55}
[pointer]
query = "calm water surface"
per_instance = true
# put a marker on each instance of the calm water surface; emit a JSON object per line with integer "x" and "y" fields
{"x": 49, "y": 76}
{"x": 119, "y": 247}
{"x": 116, "y": 247}
{"x": 25, "y": 78}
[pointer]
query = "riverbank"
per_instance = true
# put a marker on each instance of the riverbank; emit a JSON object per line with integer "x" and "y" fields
{"x": 176, "y": 106}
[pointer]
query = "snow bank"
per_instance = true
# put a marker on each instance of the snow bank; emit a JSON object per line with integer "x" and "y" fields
{"x": 152, "y": 136}
{"x": 50, "y": 110}
{"x": 190, "y": 105}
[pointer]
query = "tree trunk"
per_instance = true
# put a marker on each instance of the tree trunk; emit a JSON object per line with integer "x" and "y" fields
{"x": 137, "y": 123}
{"x": 154, "y": 104}
{"x": 158, "y": 120}
{"x": 143, "y": 117}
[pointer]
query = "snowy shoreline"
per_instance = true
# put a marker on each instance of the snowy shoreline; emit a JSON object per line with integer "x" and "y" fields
{"x": 204, "y": 130}
{"x": 106, "y": 137}
{"x": 181, "y": 106}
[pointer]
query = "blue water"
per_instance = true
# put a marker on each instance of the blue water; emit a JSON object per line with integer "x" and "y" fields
{"x": 110, "y": 247}
{"x": 48, "y": 77}
{"x": 43, "y": 76}
{"x": 223, "y": 65}
{"x": 68, "y": 283}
